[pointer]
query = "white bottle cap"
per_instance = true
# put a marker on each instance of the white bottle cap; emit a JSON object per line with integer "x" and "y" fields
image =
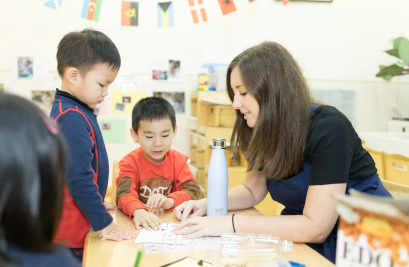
{"x": 219, "y": 143}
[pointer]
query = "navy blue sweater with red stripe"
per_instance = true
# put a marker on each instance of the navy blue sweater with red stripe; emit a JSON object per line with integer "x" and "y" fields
{"x": 87, "y": 170}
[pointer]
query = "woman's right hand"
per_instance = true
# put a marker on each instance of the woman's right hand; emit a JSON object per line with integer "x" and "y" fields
{"x": 191, "y": 208}
{"x": 204, "y": 226}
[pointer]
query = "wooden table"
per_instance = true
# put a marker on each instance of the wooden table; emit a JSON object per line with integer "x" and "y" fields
{"x": 102, "y": 253}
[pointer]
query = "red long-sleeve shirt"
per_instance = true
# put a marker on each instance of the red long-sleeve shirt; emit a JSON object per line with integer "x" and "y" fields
{"x": 147, "y": 178}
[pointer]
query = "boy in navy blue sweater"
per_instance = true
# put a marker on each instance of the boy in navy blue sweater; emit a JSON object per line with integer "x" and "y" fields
{"x": 88, "y": 62}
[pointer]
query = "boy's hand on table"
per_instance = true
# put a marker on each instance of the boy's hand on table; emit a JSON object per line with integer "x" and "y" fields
{"x": 113, "y": 232}
{"x": 160, "y": 201}
{"x": 110, "y": 206}
{"x": 191, "y": 208}
{"x": 146, "y": 219}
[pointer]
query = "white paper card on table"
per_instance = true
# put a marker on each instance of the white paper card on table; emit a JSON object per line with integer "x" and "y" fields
{"x": 165, "y": 241}
{"x": 164, "y": 235}
{"x": 197, "y": 244}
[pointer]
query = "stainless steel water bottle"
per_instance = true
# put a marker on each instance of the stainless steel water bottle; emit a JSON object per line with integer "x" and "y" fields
{"x": 217, "y": 180}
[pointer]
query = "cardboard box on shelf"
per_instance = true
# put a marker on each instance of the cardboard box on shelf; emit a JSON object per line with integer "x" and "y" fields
{"x": 200, "y": 176}
{"x": 200, "y": 159}
{"x": 193, "y": 106}
{"x": 220, "y": 115}
{"x": 193, "y": 139}
{"x": 214, "y": 109}
{"x": 373, "y": 231}
{"x": 192, "y": 155}
{"x": 192, "y": 123}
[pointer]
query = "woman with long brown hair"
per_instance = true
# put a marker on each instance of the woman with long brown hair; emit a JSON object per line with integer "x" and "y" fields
{"x": 300, "y": 152}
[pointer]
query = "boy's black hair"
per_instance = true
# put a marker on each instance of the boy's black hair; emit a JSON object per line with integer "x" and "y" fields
{"x": 83, "y": 49}
{"x": 150, "y": 109}
{"x": 32, "y": 167}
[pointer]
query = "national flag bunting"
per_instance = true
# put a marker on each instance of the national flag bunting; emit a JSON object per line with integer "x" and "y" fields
{"x": 165, "y": 14}
{"x": 91, "y": 9}
{"x": 54, "y": 4}
{"x": 129, "y": 15}
{"x": 227, "y": 6}
{"x": 196, "y": 10}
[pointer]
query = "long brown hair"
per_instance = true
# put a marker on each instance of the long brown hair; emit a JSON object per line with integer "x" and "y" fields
{"x": 272, "y": 76}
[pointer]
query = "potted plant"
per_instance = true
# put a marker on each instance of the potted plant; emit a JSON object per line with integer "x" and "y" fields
{"x": 401, "y": 67}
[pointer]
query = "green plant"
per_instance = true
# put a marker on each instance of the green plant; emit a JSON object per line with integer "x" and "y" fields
{"x": 401, "y": 67}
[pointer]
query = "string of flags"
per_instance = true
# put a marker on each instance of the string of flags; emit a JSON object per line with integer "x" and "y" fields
{"x": 54, "y": 4}
{"x": 197, "y": 8}
{"x": 91, "y": 10}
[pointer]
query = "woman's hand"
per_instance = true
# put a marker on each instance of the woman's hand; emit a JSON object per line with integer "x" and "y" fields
{"x": 204, "y": 226}
{"x": 191, "y": 208}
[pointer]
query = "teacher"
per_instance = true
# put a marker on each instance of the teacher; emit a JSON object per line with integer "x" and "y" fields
{"x": 299, "y": 151}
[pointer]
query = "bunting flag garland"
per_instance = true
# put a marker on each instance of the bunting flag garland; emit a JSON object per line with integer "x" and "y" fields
{"x": 197, "y": 9}
{"x": 165, "y": 14}
{"x": 129, "y": 16}
{"x": 54, "y": 4}
{"x": 227, "y": 6}
{"x": 91, "y": 9}
{"x": 165, "y": 11}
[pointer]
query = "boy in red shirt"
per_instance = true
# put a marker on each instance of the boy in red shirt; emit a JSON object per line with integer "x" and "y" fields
{"x": 153, "y": 175}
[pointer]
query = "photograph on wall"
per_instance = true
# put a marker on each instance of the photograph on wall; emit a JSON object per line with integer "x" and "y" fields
{"x": 160, "y": 69}
{"x": 166, "y": 70}
{"x": 177, "y": 99}
{"x": 119, "y": 106}
{"x": 30, "y": 67}
{"x": 25, "y": 67}
{"x": 124, "y": 101}
{"x": 174, "y": 70}
{"x": 113, "y": 131}
{"x": 44, "y": 99}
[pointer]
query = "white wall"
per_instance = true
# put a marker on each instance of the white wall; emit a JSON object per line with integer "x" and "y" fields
{"x": 339, "y": 45}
